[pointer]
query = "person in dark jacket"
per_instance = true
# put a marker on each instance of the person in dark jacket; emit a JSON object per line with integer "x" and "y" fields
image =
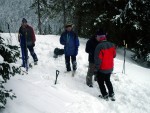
{"x": 90, "y": 48}
{"x": 27, "y": 39}
{"x": 105, "y": 53}
{"x": 71, "y": 43}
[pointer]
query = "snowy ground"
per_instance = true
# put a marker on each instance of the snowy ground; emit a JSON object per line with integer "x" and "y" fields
{"x": 36, "y": 92}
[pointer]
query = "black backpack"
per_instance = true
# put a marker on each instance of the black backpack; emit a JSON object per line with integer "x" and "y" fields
{"x": 58, "y": 52}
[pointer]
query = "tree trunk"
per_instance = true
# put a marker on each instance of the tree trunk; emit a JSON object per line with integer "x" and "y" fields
{"x": 64, "y": 11}
{"x": 77, "y": 17}
{"x": 39, "y": 18}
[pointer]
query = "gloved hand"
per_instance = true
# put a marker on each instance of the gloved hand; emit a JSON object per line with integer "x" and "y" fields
{"x": 33, "y": 44}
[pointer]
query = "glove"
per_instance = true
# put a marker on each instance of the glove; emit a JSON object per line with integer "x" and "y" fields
{"x": 33, "y": 44}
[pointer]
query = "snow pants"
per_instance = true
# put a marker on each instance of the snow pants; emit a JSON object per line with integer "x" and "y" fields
{"x": 73, "y": 60}
{"x": 33, "y": 54}
{"x": 24, "y": 52}
{"x": 104, "y": 79}
{"x": 90, "y": 74}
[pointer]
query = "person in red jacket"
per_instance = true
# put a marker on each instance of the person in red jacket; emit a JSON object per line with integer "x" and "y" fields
{"x": 27, "y": 39}
{"x": 105, "y": 53}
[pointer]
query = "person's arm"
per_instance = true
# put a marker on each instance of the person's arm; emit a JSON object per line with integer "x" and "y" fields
{"x": 114, "y": 51}
{"x": 98, "y": 57}
{"x": 88, "y": 47}
{"x": 62, "y": 41}
{"x": 33, "y": 35}
{"x": 19, "y": 33}
{"x": 76, "y": 39}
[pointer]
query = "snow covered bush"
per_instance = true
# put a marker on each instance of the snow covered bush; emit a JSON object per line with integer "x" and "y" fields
{"x": 8, "y": 56}
{"x": 148, "y": 59}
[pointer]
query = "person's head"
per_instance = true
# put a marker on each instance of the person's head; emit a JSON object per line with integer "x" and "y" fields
{"x": 68, "y": 26}
{"x": 100, "y": 35}
{"x": 24, "y": 22}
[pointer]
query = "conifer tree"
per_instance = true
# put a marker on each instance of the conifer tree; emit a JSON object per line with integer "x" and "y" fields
{"x": 8, "y": 55}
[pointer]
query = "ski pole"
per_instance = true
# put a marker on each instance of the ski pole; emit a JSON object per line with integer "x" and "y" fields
{"x": 26, "y": 50}
{"x": 125, "y": 46}
{"x": 57, "y": 73}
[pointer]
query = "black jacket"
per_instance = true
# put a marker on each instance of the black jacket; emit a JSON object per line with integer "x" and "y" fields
{"x": 90, "y": 48}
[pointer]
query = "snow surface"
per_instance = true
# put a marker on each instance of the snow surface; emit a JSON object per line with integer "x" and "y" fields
{"x": 36, "y": 92}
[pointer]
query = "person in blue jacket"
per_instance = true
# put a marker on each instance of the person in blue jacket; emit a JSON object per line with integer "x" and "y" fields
{"x": 71, "y": 43}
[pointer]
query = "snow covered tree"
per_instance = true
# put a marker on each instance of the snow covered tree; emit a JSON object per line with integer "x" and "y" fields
{"x": 134, "y": 20}
{"x": 94, "y": 14}
{"x": 8, "y": 68}
{"x": 63, "y": 10}
{"x": 39, "y": 5}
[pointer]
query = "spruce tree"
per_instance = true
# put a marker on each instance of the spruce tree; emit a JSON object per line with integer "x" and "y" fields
{"x": 134, "y": 20}
{"x": 8, "y": 55}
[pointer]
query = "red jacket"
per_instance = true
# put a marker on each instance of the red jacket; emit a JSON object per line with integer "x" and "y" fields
{"x": 27, "y": 32}
{"x": 104, "y": 56}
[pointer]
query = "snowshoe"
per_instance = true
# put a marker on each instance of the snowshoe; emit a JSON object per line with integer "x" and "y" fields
{"x": 104, "y": 97}
{"x": 112, "y": 97}
{"x": 36, "y": 63}
{"x": 30, "y": 65}
{"x": 90, "y": 85}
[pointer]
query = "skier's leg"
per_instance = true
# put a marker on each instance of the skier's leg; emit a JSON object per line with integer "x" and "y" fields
{"x": 100, "y": 80}
{"x": 26, "y": 58}
{"x": 34, "y": 56}
{"x": 90, "y": 74}
{"x": 109, "y": 84}
{"x": 74, "y": 63}
{"x": 23, "y": 55}
{"x": 67, "y": 61}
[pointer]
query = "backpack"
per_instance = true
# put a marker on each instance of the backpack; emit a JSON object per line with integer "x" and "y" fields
{"x": 58, "y": 52}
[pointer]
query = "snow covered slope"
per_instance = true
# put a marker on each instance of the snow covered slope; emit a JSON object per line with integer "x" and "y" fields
{"x": 36, "y": 92}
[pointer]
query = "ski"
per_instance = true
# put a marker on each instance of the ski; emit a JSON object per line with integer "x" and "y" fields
{"x": 24, "y": 51}
{"x": 23, "y": 71}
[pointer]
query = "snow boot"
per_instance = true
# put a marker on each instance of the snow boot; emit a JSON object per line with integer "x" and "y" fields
{"x": 112, "y": 97}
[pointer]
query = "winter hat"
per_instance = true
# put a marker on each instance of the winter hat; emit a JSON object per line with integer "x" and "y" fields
{"x": 68, "y": 25}
{"x": 100, "y": 35}
{"x": 24, "y": 20}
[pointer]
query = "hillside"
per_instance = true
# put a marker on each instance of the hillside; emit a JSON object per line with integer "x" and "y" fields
{"x": 36, "y": 92}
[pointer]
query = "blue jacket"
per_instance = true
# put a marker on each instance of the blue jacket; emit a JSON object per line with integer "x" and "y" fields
{"x": 70, "y": 42}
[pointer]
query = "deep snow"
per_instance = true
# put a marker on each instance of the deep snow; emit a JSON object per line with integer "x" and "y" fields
{"x": 36, "y": 92}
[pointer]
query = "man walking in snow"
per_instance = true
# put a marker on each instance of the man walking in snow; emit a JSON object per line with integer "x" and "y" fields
{"x": 90, "y": 48}
{"x": 27, "y": 39}
{"x": 105, "y": 53}
{"x": 71, "y": 43}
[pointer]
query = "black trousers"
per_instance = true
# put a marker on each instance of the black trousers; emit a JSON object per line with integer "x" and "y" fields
{"x": 73, "y": 60}
{"x": 104, "y": 79}
{"x": 33, "y": 54}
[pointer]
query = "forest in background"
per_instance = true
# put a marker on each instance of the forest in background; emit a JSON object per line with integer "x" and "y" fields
{"x": 123, "y": 20}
